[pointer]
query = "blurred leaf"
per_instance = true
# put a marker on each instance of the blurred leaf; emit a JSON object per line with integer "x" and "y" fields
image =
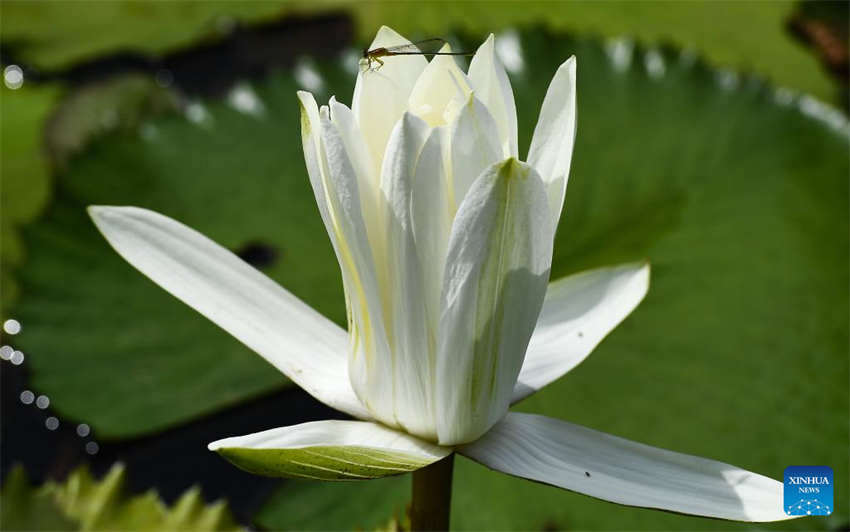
{"x": 83, "y": 503}
{"x": 23, "y": 507}
{"x": 53, "y": 33}
{"x": 36, "y": 136}
{"x": 227, "y": 174}
{"x": 116, "y": 104}
{"x": 56, "y": 34}
{"x": 738, "y": 35}
{"x": 738, "y": 353}
{"x": 396, "y": 524}
{"x": 24, "y": 171}
{"x": 367, "y": 505}
{"x": 24, "y": 168}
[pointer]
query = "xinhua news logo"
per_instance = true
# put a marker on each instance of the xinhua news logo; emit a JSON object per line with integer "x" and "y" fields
{"x": 808, "y": 490}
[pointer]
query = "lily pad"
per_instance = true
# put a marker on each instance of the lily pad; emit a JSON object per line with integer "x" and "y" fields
{"x": 738, "y": 353}
{"x": 237, "y": 176}
{"x": 735, "y": 192}
{"x": 307, "y": 505}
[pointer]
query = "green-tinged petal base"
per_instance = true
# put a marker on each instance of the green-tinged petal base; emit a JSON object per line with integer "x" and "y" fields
{"x": 324, "y": 462}
{"x": 329, "y": 450}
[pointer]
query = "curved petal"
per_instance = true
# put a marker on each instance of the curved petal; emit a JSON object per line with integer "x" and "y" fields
{"x": 497, "y": 267}
{"x": 554, "y": 135}
{"x": 380, "y": 96}
{"x": 439, "y": 88}
{"x": 335, "y": 165}
{"x": 367, "y": 183}
{"x": 335, "y": 177}
{"x": 307, "y": 347}
{"x": 312, "y": 132}
{"x": 492, "y": 86}
{"x": 369, "y": 349}
{"x": 618, "y": 470}
{"x": 311, "y": 142}
{"x": 329, "y": 450}
{"x": 474, "y": 146}
{"x": 578, "y": 312}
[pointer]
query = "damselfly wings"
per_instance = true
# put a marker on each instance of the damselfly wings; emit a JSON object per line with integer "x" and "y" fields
{"x": 372, "y": 61}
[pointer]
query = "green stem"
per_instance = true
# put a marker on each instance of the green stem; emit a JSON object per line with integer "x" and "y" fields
{"x": 432, "y": 496}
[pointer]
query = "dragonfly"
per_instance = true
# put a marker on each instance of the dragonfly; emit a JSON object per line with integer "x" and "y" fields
{"x": 371, "y": 60}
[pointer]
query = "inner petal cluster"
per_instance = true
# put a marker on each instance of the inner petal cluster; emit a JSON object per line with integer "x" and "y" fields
{"x": 443, "y": 238}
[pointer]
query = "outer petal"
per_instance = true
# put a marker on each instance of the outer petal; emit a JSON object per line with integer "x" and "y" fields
{"x": 369, "y": 351}
{"x": 578, "y": 312}
{"x": 626, "y": 472}
{"x": 329, "y": 450}
{"x": 311, "y": 141}
{"x": 380, "y": 97}
{"x": 335, "y": 163}
{"x": 307, "y": 347}
{"x": 552, "y": 144}
{"x": 367, "y": 183}
{"x": 500, "y": 252}
{"x": 474, "y": 146}
{"x": 335, "y": 181}
{"x": 491, "y": 85}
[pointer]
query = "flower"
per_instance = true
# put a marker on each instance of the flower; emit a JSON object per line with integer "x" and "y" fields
{"x": 444, "y": 241}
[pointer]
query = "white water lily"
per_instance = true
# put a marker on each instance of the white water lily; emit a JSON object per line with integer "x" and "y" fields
{"x": 444, "y": 240}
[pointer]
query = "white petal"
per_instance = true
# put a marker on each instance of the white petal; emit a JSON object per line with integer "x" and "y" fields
{"x": 307, "y": 347}
{"x": 554, "y": 135}
{"x": 329, "y": 450}
{"x": 404, "y": 291}
{"x": 335, "y": 163}
{"x": 370, "y": 351}
{"x": 497, "y": 267}
{"x": 578, "y": 312}
{"x": 311, "y": 141}
{"x": 626, "y": 472}
{"x": 432, "y": 220}
{"x": 440, "y": 85}
{"x": 492, "y": 86}
{"x": 343, "y": 201}
{"x": 414, "y": 183}
{"x": 340, "y": 205}
{"x": 380, "y": 96}
{"x": 474, "y": 145}
{"x": 317, "y": 169}
{"x": 367, "y": 182}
